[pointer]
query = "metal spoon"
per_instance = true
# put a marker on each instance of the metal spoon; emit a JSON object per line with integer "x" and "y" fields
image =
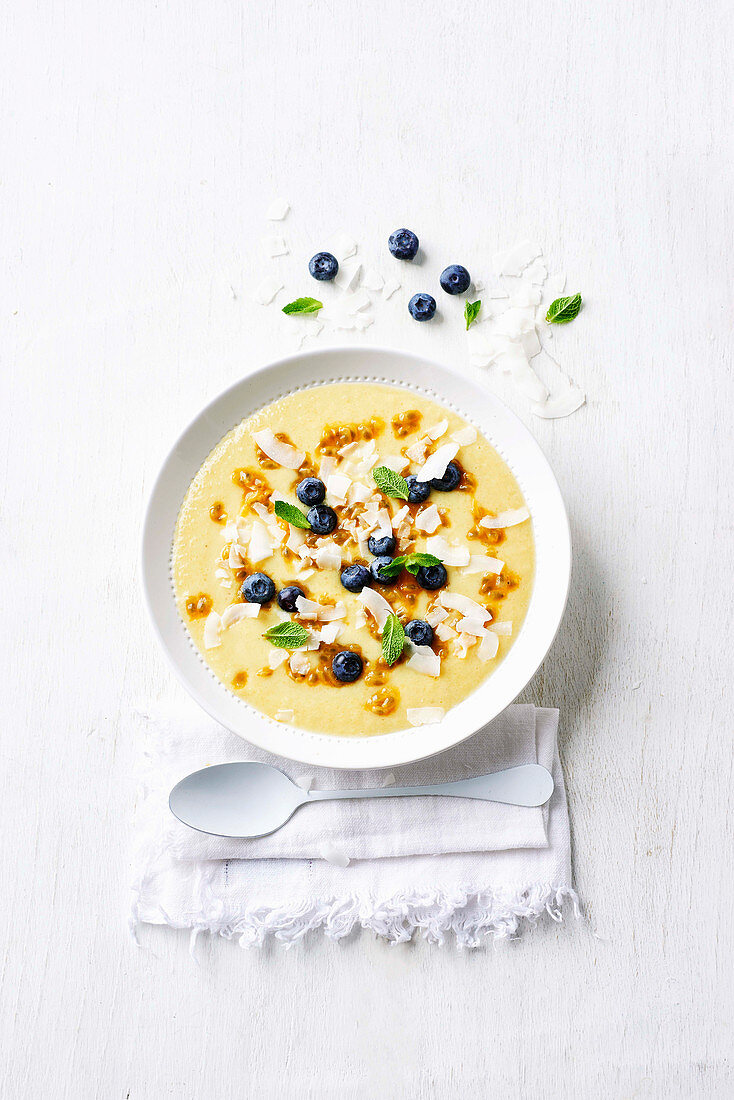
{"x": 251, "y": 799}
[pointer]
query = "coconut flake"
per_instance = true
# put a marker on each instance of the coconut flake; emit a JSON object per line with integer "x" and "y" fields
{"x": 397, "y": 463}
{"x": 400, "y": 515}
{"x": 505, "y": 628}
{"x": 235, "y": 558}
{"x": 307, "y": 609}
{"x": 377, "y": 606}
{"x": 372, "y": 279}
{"x": 305, "y": 782}
{"x": 285, "y": 714}
{"x": 277, "y": 210}
{"x": 328, "y": 633}
{"x": 428, "y": 520}
{"x": 526, "y": 296}
{"x": 261, "y": 545}
{"x": 436, "y": 615}
{"x": 449, "y": 553}
{"x": 481, "y": 563}
{"x": 416, "y": 452}
{"x": 488, "y": 646}
{"x": 296, "y": 539}
{"x": 237, "y": 611}
{"x": 435, "y": 465}
{"x": 282, "y": 453}
{"x": 337, "y": 487}
{"x": 332, "y": 854}
{"x": 444, "y": 632}
{"x": 266, "y": 289}
{"x": 347, "y": 276}
{"x": 359, "y": 493}
{"x": 465, "y": 436}
{"x": 438, "y": 430}
{"x": 328, "y": 612}
{"x": 468, "y": 607}
{"x": 391, "y": 285}
{"x": 424, "y": 716}
{"x": 343, "y": 247}
{"x": 513, "y": 261}
{"x": 275, "y": 246}
{"x": 510, "y": 518}
{"x": 561, "y": 404}
{"x": 299, "y": 663}
{"x": 277, "y": 657}
{"x": 384, "y": 523}
{"x": 327, "y": 468}
{"x": 328, "y": 557}
{"x": 212, "y": 631}
{"x": 471, "y": 625}
{"x": 423, "y": 659}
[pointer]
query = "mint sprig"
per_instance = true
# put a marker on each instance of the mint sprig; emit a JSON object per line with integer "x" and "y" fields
{"x": 287, "y": 635}
{"x": 390, "y": 483}
{"x": 563, "y": 310}
{"x": 303, "y": 305}
{"x": 471, "y": 312}
{"x": 411, "y": 562}
{"x": 393, "y": 640}
{"x": 291, "y": 514}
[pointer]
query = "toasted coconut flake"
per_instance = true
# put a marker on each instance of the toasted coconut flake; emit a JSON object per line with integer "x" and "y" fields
{"x": 277, "y": 657}
{"x": 397, "y": 463}
{"x": 337, "y": 488}
{"x": 329, "y": 633}
{"x": 424, "y": 716}
{"x": 471, "y": 625}
{"x": 329, "y": 612}
{"x": 279, "y": 452}
{"x": 468, "y": 607}
{"x": 285, "y": 714}
{"x": 450, "y": 553}
{"x": 328, "y": 557}
{"x": 299, "y": 663}
{"x": 462, "y": 644}
{"x": 510, "y": 518}
{"x": 235, "y": 560}
{"x": 423, "y": 659}
{"x": 504, "y": 629}
{"x": 400, "y": 515}
{"x": 237, "y": 611}
{"x": 465, "y": 436}
{"x": 428, "y": 519}
{"x": 438, "y": 430}
{"x": 327, "y": 468}
{"x": 444, "y": 632}
{"x": 307, "y": 609}
{"x": 212, "y": 631}
{"x": 261, "y": 543}
{"x": 488, "y": 646}
{"x": 296, "y": 539}
{"x": 359, "y": 493}
{"x": 435, "y": 465}
{"x": 416, "y": 452}
{"x": 436, "y": 615}
{"x": 384, "y": 524}
{"x": 482, "y": 563}
{"x": 377, "y": 606}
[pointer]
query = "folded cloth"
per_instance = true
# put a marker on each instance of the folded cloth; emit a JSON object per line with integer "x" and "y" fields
{"x": 431, "y": 865}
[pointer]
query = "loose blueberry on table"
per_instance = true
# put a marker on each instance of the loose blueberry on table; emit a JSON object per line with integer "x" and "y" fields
{"x": 258, "y": 588}
{"x": 455, "y": 279}
{"x": 419, "y": 632}
{"x": 382, "y": 547}
{"x": 356, "y": 577}
{"x": 322, "y": 518}
{"x": 377, "y": 565}
{"x": 403, "y": 244}
{"x": 422, "y": 307}
{"x": 287, "y": 597}
{"x": 311, "y": 491}
{"x": 323, "y": 266}
{"x": 432, "y": 577}
{"x": 449, "y": 481}
{"x": 418, "y": 491}
{"x": 347, "y": 666}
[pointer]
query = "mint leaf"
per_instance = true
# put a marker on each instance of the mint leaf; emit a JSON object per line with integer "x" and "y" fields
{"x": 393, "y": 639}
{"x": 392, "y": 568}
{"x": 414, "y": 562}
{"x": 471, "y": 312}
{"x": 563, "y": 310}
{"x": 287, "y": 635}
{"x": 303, "y": 305}
{"x": 390, "y": 483}
{"x": 291, "y": 514}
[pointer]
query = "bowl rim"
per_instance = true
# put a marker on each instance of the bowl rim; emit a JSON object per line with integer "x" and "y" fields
{"x": 496, "y": 692}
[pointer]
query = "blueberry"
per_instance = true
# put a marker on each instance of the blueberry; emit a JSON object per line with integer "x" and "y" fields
{"x": 419, "y": 631}
{"x": 418, "y": 491}
{"x": 356, "y": 577}
{"x": 382, "y": 547}
{"x": 258, "y": 588}
{"x": 432, "y": 577}
{"x": 310, "y": 491}
{"x": 455, "y": 279}
{"x": 403, "y": 244}
{"x": 322, "y": 519}
{"x": 287, "y": 597}
{"x": 323, "y": 266}
{"x": 450, "y": 479}
{"x": 375, "y": 567}
{"x": 347, "y": 666}
{"x": 422, "y": 307}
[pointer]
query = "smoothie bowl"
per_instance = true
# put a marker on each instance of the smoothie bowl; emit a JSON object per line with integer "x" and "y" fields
{"x": 355, "y": 557}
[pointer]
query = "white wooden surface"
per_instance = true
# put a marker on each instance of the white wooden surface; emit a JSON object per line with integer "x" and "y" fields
{"x": 141, "y": 144}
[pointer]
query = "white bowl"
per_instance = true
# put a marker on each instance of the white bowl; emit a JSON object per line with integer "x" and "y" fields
{"x": 479, "y": 407}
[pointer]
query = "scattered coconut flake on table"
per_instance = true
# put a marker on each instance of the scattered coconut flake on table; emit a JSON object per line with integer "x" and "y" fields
{"x": 513, "y": 261}
{"x": 212, "y": 631}
{"x": 372, "y": 279}
{"x": 424, "y": 716}
{"x": 465, "y": 436}
{"x": 277, "y": 210}
{"x": 304, "y": 781}
{"x": 510, "y": 518}
{"x": 561, "y": 404}
{"x": 275, "y": 246}
{"x": 282, "y": 453}
{"x": 536, "y": 272}
{"x": 343, "y": 247}
{"x": 267, "y": 288}
{"x": 391, "y": 285}
{"x": 237, "y": 611}
{"x": 347, "y": 276}
{"x": 284, "y": 715}
{"x": 332, "y": 854}
{"x": 388, "y": 780}
{"x": 435, "y": 465}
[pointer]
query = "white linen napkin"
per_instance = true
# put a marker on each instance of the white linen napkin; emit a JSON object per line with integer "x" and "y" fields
{"x": 427, "y": 865}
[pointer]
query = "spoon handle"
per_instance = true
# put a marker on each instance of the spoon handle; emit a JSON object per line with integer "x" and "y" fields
{"x": 525, "y": 785}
